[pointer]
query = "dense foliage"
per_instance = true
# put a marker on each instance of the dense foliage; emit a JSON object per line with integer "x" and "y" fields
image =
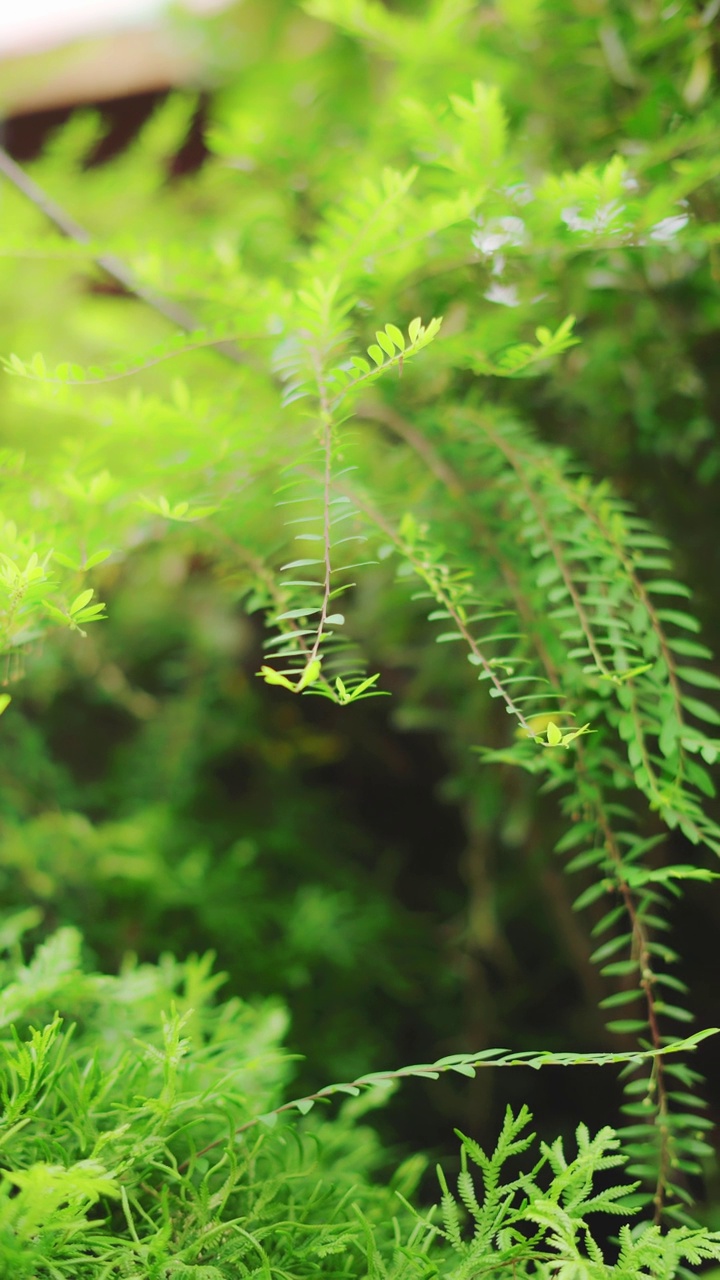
{"x": 443, "y": 296}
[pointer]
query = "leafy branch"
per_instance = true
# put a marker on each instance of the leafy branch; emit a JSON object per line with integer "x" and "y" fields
{"x": 108, "y": 262}
{"x": 464, "y": 1064}
{"x": 76, "y": 375}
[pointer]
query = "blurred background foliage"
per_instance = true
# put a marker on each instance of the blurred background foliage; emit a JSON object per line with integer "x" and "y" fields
{"x": 359, "y": 863}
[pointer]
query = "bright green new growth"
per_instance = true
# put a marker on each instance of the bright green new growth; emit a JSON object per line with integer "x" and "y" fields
{"x": 379, "y": 444}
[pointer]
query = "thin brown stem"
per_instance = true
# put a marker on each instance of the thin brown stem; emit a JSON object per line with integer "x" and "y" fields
{"x": 555, "y": 549}
{"x": 327, "y": 443}
{"x": 150, "y": 363}
{"x": 424, "y": 570}
{"x": 647, "y": 982}
{"x": 458, "y": 489}
{"x": 275, "y": 591}
{"x": 108, "y": 262}
{"x": 638, "y": 586}
{"x": 431, "y": 1071}
{"x": 376, "y": 411}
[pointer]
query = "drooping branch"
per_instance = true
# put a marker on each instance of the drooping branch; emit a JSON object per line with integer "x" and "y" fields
{"x": 108, "y": 262}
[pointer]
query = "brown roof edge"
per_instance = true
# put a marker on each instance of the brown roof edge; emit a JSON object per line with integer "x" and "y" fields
{"x": 97, "y": 69}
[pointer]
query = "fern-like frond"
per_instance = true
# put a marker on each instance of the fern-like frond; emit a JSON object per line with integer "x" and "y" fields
{"x": 467, "y": 1064}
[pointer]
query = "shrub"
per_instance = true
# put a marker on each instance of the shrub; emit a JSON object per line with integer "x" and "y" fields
{"x": 129, "y": 1149}
{"x": 413, "y": 301}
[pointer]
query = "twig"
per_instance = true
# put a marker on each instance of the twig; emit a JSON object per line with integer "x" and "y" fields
{"x": 108, "y": 262}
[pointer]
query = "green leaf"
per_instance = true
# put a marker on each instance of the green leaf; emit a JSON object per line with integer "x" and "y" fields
{"x": 291, "y": 614}
{"x": 200, "y": 513}
{"x": 609, "y": 948}
{"x": 365, "y": 684}
{"x": 636, "y": 876}
{"x": 619, "y": 968}
{"x": 701, "y": 710}
{"x": 80, "y": 601}
{"x": 627, "y": 1026}
{"x": 310, "y": 676}
{"x": 270, "y": 676}
{"x": 396, "y": 336}
{"x": 665, "y": 587}
{"x": 619, "y": 998}
{"x": 696, "y": 675}
{"x": 56, "y": 613}
{"x": 684, "y": 620}
{"x": 97, "y": 558}
{"x": 65, "y": 561}
{"x": 688, "y": 648}
{"x": 570, "y": 737}
{"x": 591, "y": 894}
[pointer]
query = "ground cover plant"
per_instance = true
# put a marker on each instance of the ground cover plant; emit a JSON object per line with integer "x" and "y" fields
{"x": 383, "y": 399}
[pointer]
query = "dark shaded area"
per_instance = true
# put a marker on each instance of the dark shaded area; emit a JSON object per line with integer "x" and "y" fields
{"x": 394, "y": 978}
{"x": 24, "y": 136}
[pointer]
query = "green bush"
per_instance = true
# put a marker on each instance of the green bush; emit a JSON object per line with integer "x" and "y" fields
{"x": 107, "y": 1107}
{"x": 126, "y": 1151}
